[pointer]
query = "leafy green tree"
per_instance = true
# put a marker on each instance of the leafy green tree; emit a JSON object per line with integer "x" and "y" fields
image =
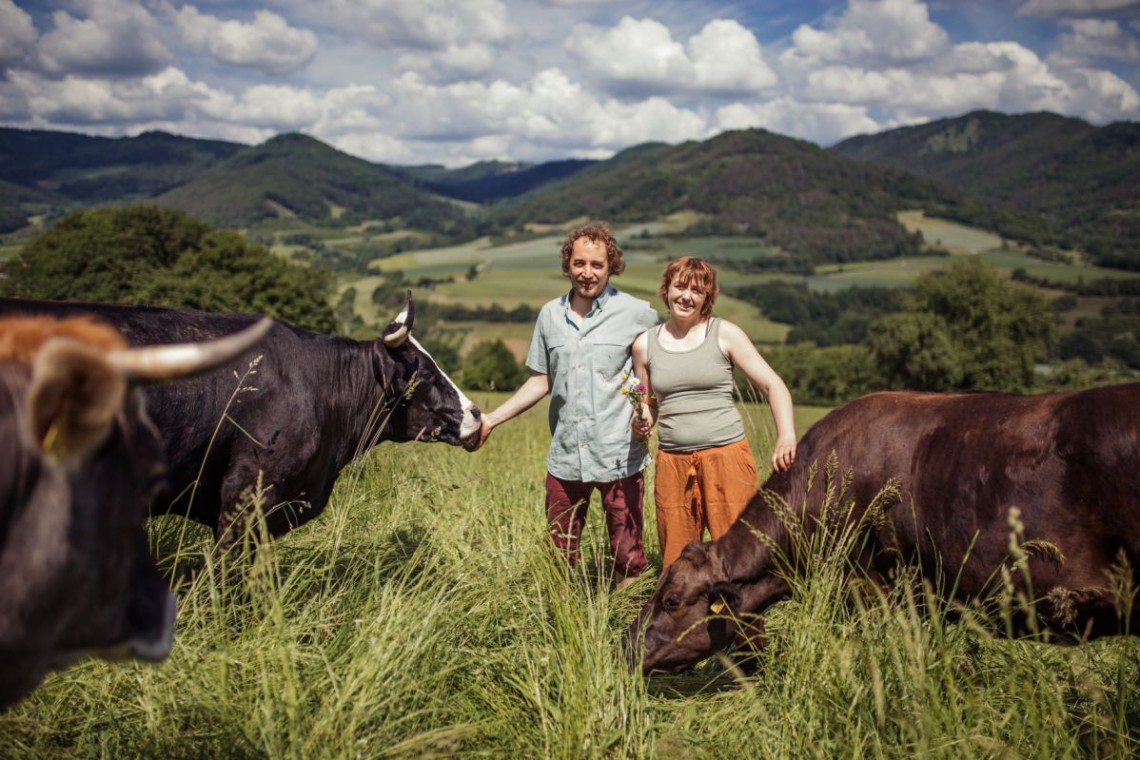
{"x": 491, "y": 366}
{"x": 444, "y": 352}
{"x": 965, "y": 328}
{"x": 147, "y": 255}
{"x": 825, "y": 376}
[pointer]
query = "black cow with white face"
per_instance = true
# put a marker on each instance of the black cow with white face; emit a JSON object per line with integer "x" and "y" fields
{"x": 297, "y": 416}
{"x": 78, "y": 463}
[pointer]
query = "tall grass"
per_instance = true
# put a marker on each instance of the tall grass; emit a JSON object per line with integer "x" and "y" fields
{"x": 424, "y": 615}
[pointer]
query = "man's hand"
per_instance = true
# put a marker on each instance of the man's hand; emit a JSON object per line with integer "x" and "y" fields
{"x": 485, "y": 429}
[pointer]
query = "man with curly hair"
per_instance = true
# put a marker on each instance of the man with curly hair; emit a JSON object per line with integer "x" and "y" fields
{"x": 580, "y": 355}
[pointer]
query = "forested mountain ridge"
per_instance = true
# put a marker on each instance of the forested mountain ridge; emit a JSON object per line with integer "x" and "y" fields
{"x": 52, "y": 172}
{"x": 299, "y": 176}
{"x": 490, "y": 181}
{"x": 809, "y": 202}
{"x": 90, "y": 169}
{"x": 1039, "y": 178}
{"x": 1083, "y": 180}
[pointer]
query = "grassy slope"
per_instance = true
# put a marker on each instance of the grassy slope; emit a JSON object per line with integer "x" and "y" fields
{"x": 423, "y": 616}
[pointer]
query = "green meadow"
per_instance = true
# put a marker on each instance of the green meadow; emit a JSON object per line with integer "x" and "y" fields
{"x": 423, "y": 615}
{"x": 486, "y": 272}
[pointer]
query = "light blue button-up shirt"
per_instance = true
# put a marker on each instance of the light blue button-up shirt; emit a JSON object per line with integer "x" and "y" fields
{"x": 589, "y": 416}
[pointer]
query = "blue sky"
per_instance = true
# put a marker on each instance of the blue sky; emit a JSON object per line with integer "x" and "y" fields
{"x": 456, "y": 81}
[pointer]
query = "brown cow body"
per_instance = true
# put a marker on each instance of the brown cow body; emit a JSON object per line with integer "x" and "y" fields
{"x": 78, "y": 462}
{"x": 1067, "y": 461}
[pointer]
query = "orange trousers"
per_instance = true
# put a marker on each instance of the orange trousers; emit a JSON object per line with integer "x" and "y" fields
{"x": 694, "y": 490}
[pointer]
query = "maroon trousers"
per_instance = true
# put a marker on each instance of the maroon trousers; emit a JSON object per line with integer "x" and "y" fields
{"x": 566, "y": 505}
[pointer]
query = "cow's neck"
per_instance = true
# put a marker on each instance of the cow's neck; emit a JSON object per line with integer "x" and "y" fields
{"x": 364, "y": 397}
{"x": 742, "y": 554}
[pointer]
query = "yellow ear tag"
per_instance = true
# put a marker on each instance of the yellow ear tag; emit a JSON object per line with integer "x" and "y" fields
{"x": 716, "y": 608}
{"x": 53, "y": 442}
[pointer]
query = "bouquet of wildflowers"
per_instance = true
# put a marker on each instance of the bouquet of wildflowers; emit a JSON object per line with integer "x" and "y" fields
{"x": 636, "y": 392}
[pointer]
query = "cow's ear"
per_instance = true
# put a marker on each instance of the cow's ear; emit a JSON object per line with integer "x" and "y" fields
{"x": 74, "y": 396}
{"x": 397, "y": 332}
{"x": 724, "y": 599}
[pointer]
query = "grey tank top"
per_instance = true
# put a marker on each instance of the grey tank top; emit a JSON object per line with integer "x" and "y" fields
{"x": 694, "y": 394}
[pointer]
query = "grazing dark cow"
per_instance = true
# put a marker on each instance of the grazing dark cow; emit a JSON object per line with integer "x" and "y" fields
{"x": 1067, "y": 461}
{"x": 311, "y": 405}
{"x": 78, "y": 462}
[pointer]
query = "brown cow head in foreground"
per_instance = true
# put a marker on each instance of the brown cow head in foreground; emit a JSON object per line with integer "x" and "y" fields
{"x": 697, "y": 610}
{"x": 79, "y": 461}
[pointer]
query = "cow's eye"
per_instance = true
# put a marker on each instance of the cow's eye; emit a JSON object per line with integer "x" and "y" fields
{"x": 671, "y": 602}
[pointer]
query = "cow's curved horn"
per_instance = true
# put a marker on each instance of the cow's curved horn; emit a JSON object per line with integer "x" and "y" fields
{"x": 396, "y": 333}
{"x": 181, "y": 359}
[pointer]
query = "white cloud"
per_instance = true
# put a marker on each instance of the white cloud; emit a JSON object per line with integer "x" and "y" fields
{"x": 579, "y": 3}
{"x": 168, "y": 98}
{"x": 114, "y": 38}
{"x": 451, "y": 64}
{"x": 870, "y": 32}
{"x": 17, "y": 34}
{"x": 268, "y": 44}
{"x": 425, "y": 24}
{"x": 547, "y": 116}
{"x": 78, "y": 101}
{"x": 378, "y": 147}
{"x": 1099, "y": 38}
{"x": 456, "y": 81}
{"x": 726, "y": 57}
{"x": 1095, "y": 94}
{"x": 640, "y": 57}
{"x": 859, "y": 59}
{"x": 1073, "y": 7}
{"x": 278, "y": 107}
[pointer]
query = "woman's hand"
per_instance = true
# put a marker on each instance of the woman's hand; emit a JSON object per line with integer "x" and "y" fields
{"x": 642, "y": 421}
{"x": 784, "y": 454}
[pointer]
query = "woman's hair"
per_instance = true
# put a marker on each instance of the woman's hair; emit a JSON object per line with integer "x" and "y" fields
{"x": 693, "y": 272}
{"x": 599, "y": 233}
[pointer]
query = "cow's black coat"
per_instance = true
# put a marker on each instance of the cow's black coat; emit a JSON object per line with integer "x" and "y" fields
{"x": 311, "y": 404}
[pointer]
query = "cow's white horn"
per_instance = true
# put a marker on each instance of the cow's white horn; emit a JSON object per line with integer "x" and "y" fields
{"x": 397, "y": 338}
{"x": 181, "y": 359}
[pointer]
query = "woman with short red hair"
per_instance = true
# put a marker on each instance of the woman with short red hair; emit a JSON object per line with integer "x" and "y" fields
{"x": 705, "y": 470}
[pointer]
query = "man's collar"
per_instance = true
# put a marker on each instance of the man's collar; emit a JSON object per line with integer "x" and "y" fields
{"x": 599, "y": 302}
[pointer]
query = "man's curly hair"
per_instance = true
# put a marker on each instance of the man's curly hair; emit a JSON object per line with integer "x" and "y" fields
{"x": 599, "y": 233}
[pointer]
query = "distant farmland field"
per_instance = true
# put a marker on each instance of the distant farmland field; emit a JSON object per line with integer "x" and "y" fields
{"x": 528, "y": 272}
{"x": 955, "y": 238}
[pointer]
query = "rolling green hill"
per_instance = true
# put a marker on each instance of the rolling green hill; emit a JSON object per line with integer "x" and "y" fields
{"x": 490, "y": 181}
{"x": 91, "y": 170}
{"x": 296, "y": 176}
{"x": 1042, "y": 179}
{"x": 1081, "y": 179}
{"x": 804, "y": 201}
{"x": 18, "y": 204}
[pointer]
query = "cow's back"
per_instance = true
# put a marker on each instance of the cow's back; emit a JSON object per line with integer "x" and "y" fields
{"x": 190, "y": 414}
{"x": 1066, "y": 462}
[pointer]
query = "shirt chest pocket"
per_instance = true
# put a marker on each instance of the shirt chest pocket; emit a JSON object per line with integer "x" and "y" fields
{"x": 558, "y": 355}
{"x": 610, "y": 361}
